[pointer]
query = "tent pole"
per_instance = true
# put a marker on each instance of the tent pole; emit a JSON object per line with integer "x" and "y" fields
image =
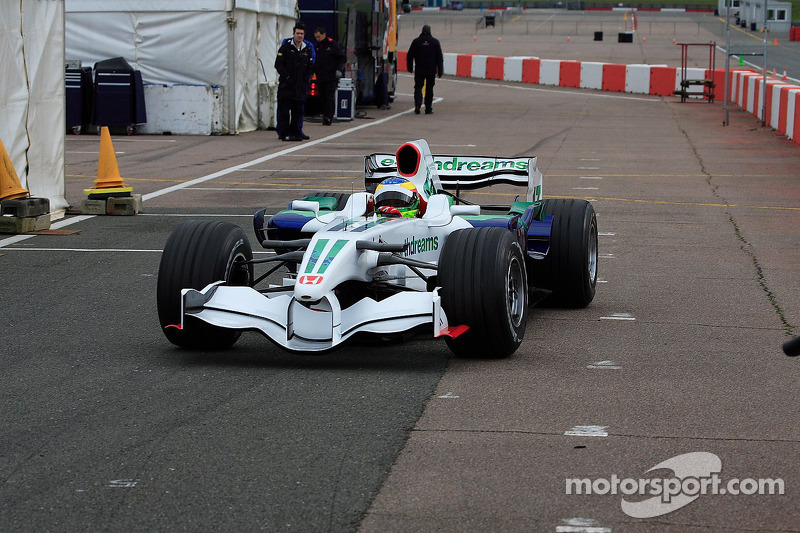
{"x": 231, "y": 90}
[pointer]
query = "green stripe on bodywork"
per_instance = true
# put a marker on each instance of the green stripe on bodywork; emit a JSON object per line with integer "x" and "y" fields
{"x": 315, "y": 255}
{"x": 337, "y": 247}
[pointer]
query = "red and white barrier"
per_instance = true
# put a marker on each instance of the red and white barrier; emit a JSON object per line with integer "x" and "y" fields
{"x": 746, "y": 86}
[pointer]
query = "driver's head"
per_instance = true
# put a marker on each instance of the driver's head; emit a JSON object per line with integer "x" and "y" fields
{"x": 398, "y": 196}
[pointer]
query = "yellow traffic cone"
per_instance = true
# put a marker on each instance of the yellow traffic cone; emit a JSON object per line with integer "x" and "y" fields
{"x": 108, "y": 182}
{"x": 10, "y": 186}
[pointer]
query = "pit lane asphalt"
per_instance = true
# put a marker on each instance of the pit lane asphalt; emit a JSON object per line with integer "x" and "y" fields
{"x": 107, "y": 426}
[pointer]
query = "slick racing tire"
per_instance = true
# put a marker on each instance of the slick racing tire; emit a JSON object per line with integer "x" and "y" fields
{"x": 196, "y": 254}
{"x": 341, "y": 197}
{"x": 570, "y": 268}
{"x": 484, "y": 285}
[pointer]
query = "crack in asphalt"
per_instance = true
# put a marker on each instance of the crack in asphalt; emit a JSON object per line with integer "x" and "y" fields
{"x": 744, "y": 245}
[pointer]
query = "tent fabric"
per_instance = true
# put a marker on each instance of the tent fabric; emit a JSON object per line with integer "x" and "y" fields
{"x": 177, "y": 42}
{"x": 141, "y": 6}
{"x": 32, "y": 94}
{"x": 157, "y": 44}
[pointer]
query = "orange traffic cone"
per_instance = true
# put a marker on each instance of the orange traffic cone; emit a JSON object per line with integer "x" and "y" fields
{"x": 10, "y": 186}
{"x": 784, "y": 73}
{"x": 108, "y": 182}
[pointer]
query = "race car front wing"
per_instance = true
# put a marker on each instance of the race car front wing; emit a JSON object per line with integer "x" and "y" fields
{"x": 317, "y": 327}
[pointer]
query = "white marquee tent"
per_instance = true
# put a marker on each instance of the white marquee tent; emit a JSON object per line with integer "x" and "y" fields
{"x": 32, "y": 95}
{"x": 190, "y": 53}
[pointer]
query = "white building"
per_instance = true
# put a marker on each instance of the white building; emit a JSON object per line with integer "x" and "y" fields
{"x": 751, "y": 14}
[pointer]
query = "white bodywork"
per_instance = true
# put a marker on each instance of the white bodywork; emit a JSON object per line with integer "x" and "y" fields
{"x": 306, "y": 314}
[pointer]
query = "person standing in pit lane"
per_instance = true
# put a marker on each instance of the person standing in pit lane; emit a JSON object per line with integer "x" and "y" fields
{"x": 295, "y": 65}
{"x": 426, "y": 51}
{"x": 328, "y": 67}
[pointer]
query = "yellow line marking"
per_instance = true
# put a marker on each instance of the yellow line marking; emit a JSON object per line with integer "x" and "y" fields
{"x": 735, "y": 27}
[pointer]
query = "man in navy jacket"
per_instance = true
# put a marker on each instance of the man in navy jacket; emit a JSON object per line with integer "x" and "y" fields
{"x": 295, "y": 65}
{"x": 426, "y": 51}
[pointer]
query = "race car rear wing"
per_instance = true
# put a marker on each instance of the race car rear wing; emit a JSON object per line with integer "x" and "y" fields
{"x": 457, "y": 172}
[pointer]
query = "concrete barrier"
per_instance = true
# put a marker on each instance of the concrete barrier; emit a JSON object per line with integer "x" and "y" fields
{"x": 745, "y": 86}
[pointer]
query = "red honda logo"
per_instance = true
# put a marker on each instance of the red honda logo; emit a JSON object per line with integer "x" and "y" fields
{"x": 310, "y": 280}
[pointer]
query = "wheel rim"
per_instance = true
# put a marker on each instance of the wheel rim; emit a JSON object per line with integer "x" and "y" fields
{"x": 515, "y": 292}
{"x": 592, "y": 254}
{"x": 239, "y": 275}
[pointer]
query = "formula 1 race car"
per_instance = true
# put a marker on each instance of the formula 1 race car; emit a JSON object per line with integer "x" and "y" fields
{"x": 407, "y": 252}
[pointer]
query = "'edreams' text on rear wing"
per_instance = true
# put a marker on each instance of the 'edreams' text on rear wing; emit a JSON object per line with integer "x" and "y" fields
{"x": 458, "y": 172}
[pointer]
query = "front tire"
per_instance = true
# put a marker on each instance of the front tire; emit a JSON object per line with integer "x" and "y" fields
{"x": 569, "y": 269}
{"x": 484, "y": 285}
{"x": 196, "y": 254}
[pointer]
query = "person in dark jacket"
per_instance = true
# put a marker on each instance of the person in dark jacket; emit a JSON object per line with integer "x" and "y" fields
{"x": 303, "y": 136}
{"x": 295, "y": 65}
{"x": 328, "y": 67}
{"x": 426, "y": 51}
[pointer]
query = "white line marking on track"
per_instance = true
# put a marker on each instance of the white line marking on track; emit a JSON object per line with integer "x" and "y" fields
{"x": 106, "y": 250}
{"x": 103, "y": 250}
{"x": 585, "y": 188}
{"x": 582, "y": 529}
{"x": 618, "y": 316}
{"x": 606, "y": 234}
{"x": 590, "y": 178}
{"x": 448, "y": 395}
{"x": 587, "y": 431}
{"x": 122, "y": 483}
{"x": 604, "y": 365}
{"x": 57, "y": 225}
{"x": 606, "y": 256}
{"x": 581, "y": 525}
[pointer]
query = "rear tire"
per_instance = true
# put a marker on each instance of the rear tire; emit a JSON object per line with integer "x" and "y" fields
{"x": 196, "y": 254}
{"x": 484, "y": 285}
{"x": 570, "y": 268}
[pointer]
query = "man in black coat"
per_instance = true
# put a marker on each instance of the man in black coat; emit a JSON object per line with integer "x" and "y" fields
{"x": 295, "y": 65}
{"x": 427, "y": 53}
{"x": 328, "y": 67}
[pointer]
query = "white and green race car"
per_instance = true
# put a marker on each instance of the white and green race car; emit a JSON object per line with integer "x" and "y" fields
{"x": 406, "y": 253}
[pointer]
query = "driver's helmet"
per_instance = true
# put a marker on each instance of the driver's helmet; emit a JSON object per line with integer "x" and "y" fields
{"x": 399, "y": 197}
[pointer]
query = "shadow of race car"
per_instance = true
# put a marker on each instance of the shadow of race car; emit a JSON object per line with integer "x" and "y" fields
{"x": 407, "y": 252}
